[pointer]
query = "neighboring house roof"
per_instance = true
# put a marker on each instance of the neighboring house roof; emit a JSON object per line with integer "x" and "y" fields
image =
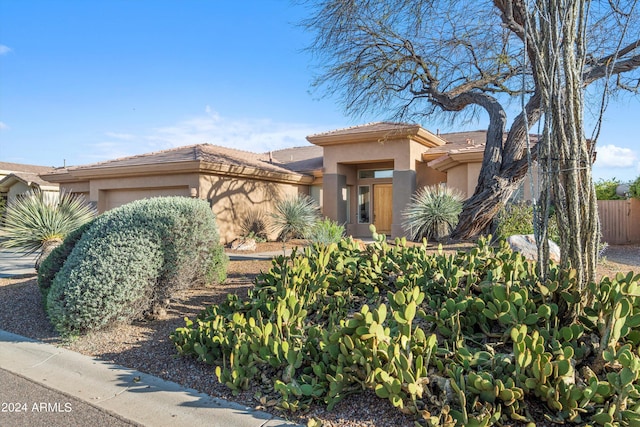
{"x": 307, "y": 159}
{"x": 6, "y": 168}
{"x": 191, "y": 158}
{"x": 12, "y": 173}
{"x": 457, "y": 141}
{"x": 29, "y": 179}
{"x": 461, "y": 147}
{"x": 380, "y": 131}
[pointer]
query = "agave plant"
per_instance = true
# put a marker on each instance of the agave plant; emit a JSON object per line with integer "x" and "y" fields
{"x": 254, "y": 225}
{"x": 433, "y": 212}
{"x": 293, "y": 216}
{"x": 36, "y": 219}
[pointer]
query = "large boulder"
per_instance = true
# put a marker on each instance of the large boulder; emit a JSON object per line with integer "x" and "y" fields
{"x": 525, "y": 244}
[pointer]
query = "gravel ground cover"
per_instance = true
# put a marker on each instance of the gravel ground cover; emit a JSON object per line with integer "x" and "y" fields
{"x": 145, "y": 346}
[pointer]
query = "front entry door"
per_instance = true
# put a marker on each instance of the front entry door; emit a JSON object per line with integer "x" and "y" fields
{"x": 382, "y": 207}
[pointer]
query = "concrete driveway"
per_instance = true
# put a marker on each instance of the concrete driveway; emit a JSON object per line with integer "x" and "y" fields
{"x": 16, "y": 263}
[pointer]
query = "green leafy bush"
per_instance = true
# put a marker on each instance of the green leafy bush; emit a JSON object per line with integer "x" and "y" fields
{"x": 36, "y": 217}
{"x": 517, "y": 218}
{"x": 473, "y": 339}
{"x": 293, "y": 216}
{"x": 606, "y": 189}
{"x": 634, "y": 189}
{"x": 325, "y": 231}
{"x": 130, "y": 261}
{"x": 432, "y": 213}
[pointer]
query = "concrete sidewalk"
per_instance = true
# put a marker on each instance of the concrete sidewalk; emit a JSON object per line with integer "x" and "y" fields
{"x": 16, "y": 263}
{"x": 62, "y": 382}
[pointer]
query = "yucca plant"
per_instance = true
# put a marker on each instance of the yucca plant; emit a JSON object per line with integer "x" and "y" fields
{"x": 433, "y": 212}
{"x": 3, "y": 207}
{"x": 293, "y": 216}
{"x": 36, "y": 219}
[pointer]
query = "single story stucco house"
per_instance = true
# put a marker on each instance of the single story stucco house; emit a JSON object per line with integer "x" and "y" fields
{"x": 360, "y": 175}
{"x": 17, "y": 178}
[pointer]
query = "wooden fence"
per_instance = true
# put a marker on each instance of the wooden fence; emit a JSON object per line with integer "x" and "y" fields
{"x": 620, "y": 221}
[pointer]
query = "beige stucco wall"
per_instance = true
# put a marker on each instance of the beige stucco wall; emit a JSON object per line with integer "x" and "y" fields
{"x": 77, "y": 188}
{"x": 473, "y": 173}
{"x": 428, "y": 176}
{"x": 16, "y": 189}
{"x": 110, "y": 199}
{"x": 109, "y": 193}
{"x": 343, "y": 161}
{"x": 457, "y": 178}
{"x": 398, "y": 151}
{"x": 232, "y": 199}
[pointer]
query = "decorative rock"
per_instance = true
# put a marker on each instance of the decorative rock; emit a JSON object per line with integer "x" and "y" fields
{"x": 361, "y": 244}
{"x": 243, "y": 245}
{"x": 526, "y": 245}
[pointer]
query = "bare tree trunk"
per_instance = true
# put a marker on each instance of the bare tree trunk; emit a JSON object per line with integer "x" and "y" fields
{"x": 565, "y": 155}
{"x": 498, "y": 181}
{"x": 480, "y": 209}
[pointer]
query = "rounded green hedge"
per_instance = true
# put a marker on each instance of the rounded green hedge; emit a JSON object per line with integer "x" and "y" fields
{"x": 130, "y": 261}
{"x": 54, "y": 262}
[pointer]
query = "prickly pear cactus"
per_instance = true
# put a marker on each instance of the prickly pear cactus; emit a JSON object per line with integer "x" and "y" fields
{"x": 468, "y": 339}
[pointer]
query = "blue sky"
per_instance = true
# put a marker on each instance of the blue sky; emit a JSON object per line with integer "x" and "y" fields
{"x": 84, "y": 81}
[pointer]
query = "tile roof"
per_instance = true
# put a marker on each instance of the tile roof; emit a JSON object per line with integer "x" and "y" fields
{"x": 459, "y": 140}
{"x": 30, "y": 178}
{"x": 27, "y": 178}
{"x": 369, "y": 127}
{"x": 465, "y": 141}
{"x": 201, "y": 152}
{"x": 19, "y": 167}
{"x": 300, "y": 159}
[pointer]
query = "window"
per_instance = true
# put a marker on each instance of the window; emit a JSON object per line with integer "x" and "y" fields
{"x": 372, "y": 173}
{"x": 315, "y": 192}
{"x": 347, "y": 197}
{"x": 364, "y": 204}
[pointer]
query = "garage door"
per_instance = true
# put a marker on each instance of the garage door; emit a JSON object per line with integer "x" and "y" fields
{"x": 115, "y": 198}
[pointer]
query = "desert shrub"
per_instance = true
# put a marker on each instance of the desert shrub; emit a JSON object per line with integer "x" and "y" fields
{"x": 216, "y": 271}
{"x": 130, "y": 261}
{"x": 36, "y": 217}
{"x": 474, "y": 338}
{"x": 54, "y": 262}
{"x": 517, "y": 218}
{"x": 634, "y": 189}
{"x": 325, "y": 231}
{"x": 254, "y": 225}
{"x": 432, "y": 213}
{"x": 293, "y": 216}
{"x": 606, "y": 189}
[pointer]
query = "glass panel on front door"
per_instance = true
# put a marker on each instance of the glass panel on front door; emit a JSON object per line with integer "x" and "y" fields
{"x": 364, "y": 204}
